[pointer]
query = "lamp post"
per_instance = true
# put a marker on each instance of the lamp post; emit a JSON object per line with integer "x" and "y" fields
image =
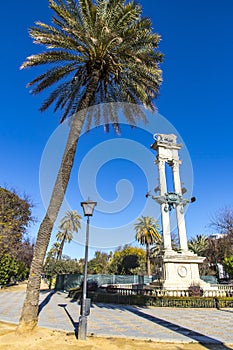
{"x": 88, "y": 208}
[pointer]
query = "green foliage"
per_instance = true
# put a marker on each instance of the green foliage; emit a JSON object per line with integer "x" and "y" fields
{"x": 8, "y": 269}
{"x": 147, "y": 233}
{"x": 68, "y": 266}
{"x": 146, "y": 300}
{"x": 129, "y": 264}
{"x": 228, "y": 265}
{"x": 69, "y": 224}
{"x": 199, "y": 244}
{"x": 15, "y": 250}
{"x": 99, "y": 264}
{"x": 216, "y": 250}
{"x": 53, "y": 267}
{"x": 23, "y": 271}
{"x": 128, "y": 260}
{"x": 110, "y": 40}
{"x": 15, "y": 217}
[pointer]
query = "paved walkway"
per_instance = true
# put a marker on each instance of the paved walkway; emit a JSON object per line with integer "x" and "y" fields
{"x": 59, "y": 312}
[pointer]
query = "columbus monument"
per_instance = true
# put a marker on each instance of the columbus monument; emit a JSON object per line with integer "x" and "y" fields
{"x": 178, "y": 270}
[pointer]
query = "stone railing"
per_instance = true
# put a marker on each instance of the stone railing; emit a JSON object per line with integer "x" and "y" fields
{"x": 218, "y": 290}
{"x": 214, "y": 290}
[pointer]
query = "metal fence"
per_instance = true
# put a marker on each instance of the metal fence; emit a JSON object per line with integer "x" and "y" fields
{"x": 68, "y": 281}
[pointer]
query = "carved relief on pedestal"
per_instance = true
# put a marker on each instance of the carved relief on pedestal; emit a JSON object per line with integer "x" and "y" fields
{"x": 182, "y": 271}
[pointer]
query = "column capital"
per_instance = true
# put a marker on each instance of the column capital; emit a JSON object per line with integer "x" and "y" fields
{"x": 160, "y": 162}
{"x": 176, "y": 164}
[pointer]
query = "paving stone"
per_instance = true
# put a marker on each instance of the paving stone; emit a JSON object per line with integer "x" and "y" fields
{"x": 57, "y": 311}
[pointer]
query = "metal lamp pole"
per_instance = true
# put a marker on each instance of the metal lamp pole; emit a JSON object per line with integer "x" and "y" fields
{"x": 88, "y": 208}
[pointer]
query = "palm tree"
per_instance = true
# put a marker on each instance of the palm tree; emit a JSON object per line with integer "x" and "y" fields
{"x": 97, "y": 52}
{"x": 70, "y": 223}
{"x": 199, "y": 244}
{"x": 53, "y": 252}
{"x": 147, "y": 234}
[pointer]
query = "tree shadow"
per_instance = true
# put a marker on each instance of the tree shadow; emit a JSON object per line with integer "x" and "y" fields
{"x": 231, "y": 311}
{"x": 202, "y": 339}
{"x": 46, "y": 300}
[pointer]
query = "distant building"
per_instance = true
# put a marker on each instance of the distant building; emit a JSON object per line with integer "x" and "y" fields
{"x": 217, "y": 235}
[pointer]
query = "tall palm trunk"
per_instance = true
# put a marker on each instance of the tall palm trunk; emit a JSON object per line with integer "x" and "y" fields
{"x": 29, "y": 315}
{"x": 59, "y": 254}
{"x": 148, "y": 259}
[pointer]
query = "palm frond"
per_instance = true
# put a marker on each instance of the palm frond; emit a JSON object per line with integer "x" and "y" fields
{"x": 110, "y": 37}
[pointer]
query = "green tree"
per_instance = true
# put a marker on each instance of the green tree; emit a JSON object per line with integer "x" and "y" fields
{"x": 99, "y": 52}
{"x": 54, "y": 250}
{"x": 9, "y": 269}
{"x": 128, "y": 260}
{"x": 70, "y": 223}
{"x": 15, "y": 248}
{"x": 147, "y": 233}
{"x": 199, "y": 244}
{"x": 228, "y": 265}
{"x": 99, "y": 264}
{"x": 15, "y": 218}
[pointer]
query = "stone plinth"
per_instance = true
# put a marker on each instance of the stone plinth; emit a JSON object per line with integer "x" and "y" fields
{"x": 179, "y": 270}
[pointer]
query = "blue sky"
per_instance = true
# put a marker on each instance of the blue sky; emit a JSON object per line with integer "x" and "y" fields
{"x": 195, "y": 97}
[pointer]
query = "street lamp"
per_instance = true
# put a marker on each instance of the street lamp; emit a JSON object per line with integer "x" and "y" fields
{"x": 88, "y": 209}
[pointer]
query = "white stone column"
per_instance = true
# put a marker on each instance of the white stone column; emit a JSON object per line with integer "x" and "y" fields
{"x": 165, "y": 214}
{"x": 179, "y": 208}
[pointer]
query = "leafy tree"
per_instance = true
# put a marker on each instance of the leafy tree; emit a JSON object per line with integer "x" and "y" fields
{"x": 15, "y": 217}
{"x": 147, "y": 234}
{"x": 9, "y": 269}
{"x": 199, "y": 244}
{"x": 99, "y": 264}
{"x": 102, "y": 51}
{"x": 70, "y": 223}
{"x": 127, "y": 260}
{"x": 129, "y": 264}
{"x": 228, "y": 265}
{"x": 15, "y": 248}
{"x": 64, "y": 265}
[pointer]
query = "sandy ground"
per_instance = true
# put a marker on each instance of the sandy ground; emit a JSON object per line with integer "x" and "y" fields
{"x": 45, "y": 339}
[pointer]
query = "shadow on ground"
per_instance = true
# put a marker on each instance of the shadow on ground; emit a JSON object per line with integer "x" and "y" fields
{"x": 46, "y": 300}
{"x": 202, "y": 339}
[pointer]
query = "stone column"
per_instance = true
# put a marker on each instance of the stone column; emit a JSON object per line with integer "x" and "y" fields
{"x": 180, "y": 207}
{"x": 165, "y": 214}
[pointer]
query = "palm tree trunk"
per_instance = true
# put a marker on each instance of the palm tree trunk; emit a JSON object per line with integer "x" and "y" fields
{"x": 59, "y": 254}
{"x": 29, "y": 314}
{"x": 148, "y": 259}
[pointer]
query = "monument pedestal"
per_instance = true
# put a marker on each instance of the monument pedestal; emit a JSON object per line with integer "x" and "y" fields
{"x": 179, "y": 271}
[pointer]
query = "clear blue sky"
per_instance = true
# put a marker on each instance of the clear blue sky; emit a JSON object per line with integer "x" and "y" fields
{"x": 196, "y": 98}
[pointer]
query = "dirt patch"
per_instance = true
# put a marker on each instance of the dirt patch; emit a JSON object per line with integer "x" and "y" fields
{"x": 21, "y": 286}
{"x": 45, "y": 339}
